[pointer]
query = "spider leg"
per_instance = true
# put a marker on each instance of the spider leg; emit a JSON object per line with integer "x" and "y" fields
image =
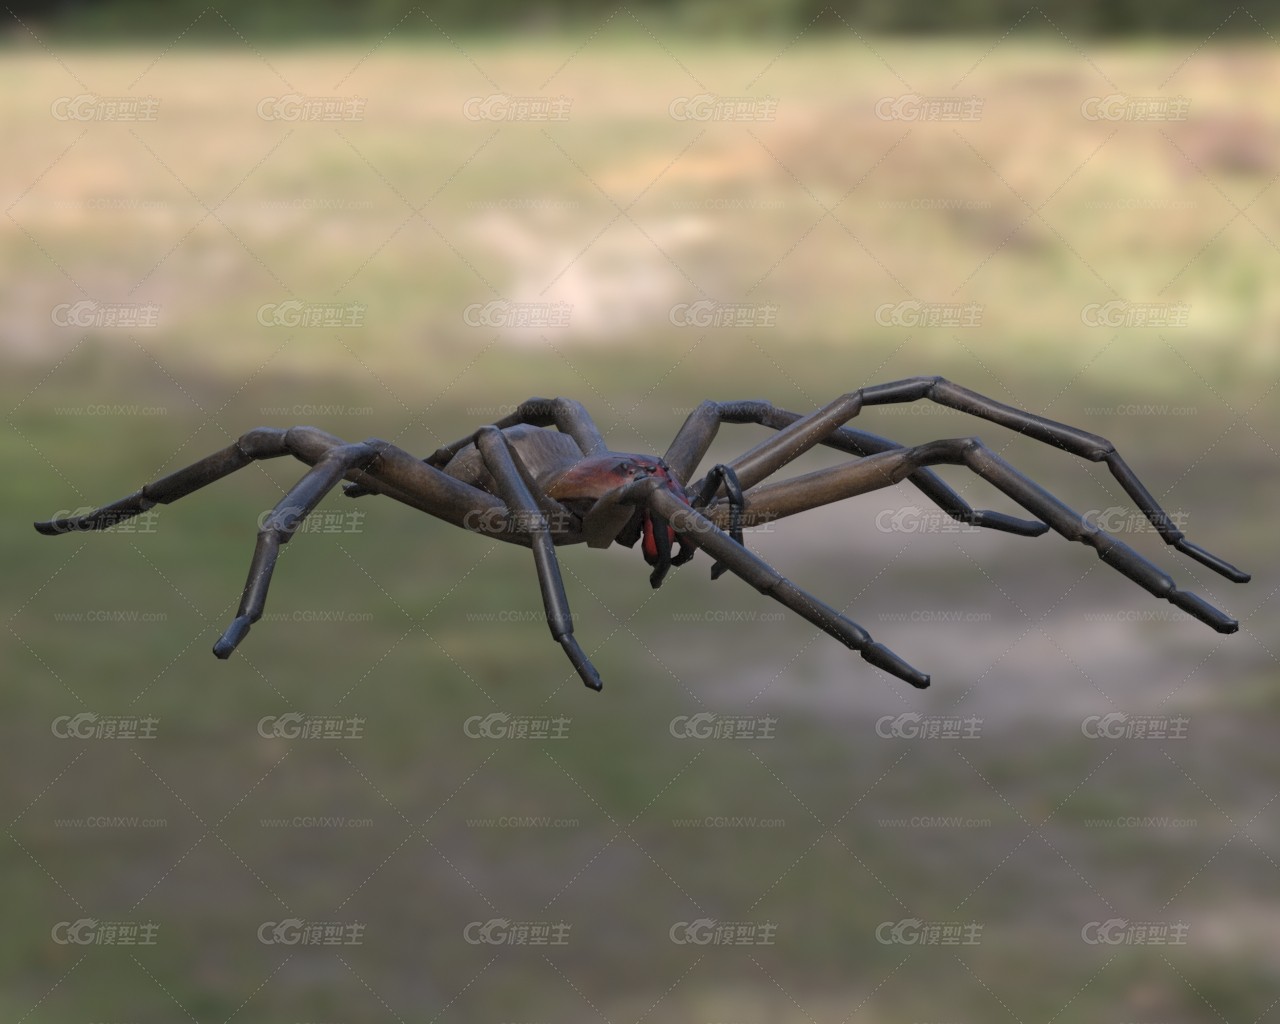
{"x": 262, "y": 443}
{"x": 385, "y": 468}
{"x": 720, "y": 475}
{"x": 699, "y": 430}
{"x": 808, "y": 430}
{"x": 398, "y": 475}
{"x": 773, "y": 501}
{"x": 279, "y": 526}
{"x": 503, "y": 463}
{"x": 759, "y": 574}
{"x": 409, "y": 480}
{"x": 566, "y": 415}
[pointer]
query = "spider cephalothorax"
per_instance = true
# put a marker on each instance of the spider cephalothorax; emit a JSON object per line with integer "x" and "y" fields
{"x": 519, "y": 482}
{"x": 595, "y": 477}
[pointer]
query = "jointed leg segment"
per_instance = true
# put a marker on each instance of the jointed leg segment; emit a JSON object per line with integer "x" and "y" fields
{"x": 263, "y": 443}
{"x": 503, "y": 463}
{"x": 384, "y": 467}
{"x": 279, "y": 527}
{"x": 766, "y": 502}
{"x": 700, "y": 428}
{"x": 797, "y": 434}
{"x": 566, "y": 415}
{"x": 747, "y": 566}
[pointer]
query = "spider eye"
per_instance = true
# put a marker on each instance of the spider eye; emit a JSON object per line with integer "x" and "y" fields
{"x": 626, "y": 467}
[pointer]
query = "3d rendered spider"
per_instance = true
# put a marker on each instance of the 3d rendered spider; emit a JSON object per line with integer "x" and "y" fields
{"x": 521, "y": 483}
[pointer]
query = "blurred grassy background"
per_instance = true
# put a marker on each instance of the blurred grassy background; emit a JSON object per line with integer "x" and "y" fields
{"x": 817, "y": 210}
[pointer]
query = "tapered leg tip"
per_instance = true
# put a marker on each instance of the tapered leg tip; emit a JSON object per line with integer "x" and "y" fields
{"x": 51, "y": 528}
{"x": 1201, "y": 609}
{"x": 230, "y": 640}
{"x": 883, "y": 658}
{"x": 590, "y": 677}
{"x": 1010, "y": 524}
{"x": 1218, "y": 565}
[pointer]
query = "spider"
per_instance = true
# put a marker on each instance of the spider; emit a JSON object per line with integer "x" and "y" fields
{"x": 518, "y": 482}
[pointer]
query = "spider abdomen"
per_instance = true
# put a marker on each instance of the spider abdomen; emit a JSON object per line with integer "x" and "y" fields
{"x": 543, "y": 452}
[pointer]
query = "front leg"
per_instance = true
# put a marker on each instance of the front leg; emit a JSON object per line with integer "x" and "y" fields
{"x": 772, "y": 501}
{"x": 754, "y": 570}
{"x": 699, "y": 430}
{"x": 502, "y": 462}
{"x": 804, "y": 432}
